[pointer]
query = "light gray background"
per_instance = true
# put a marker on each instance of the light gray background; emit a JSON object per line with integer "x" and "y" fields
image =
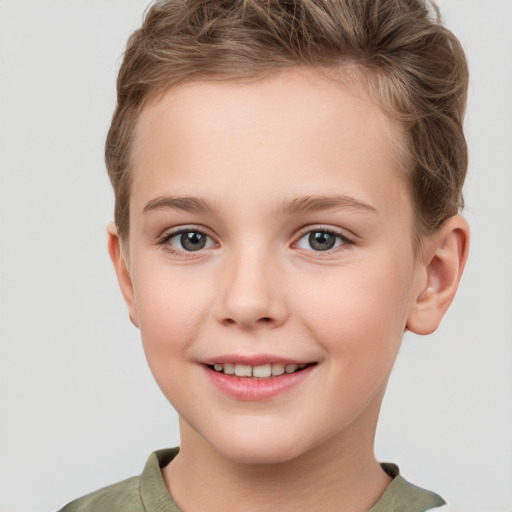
{"x": 79, "y": 408}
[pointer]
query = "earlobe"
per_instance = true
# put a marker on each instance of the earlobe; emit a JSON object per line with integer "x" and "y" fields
{"x": 443, "y": 263}
{"x": 122, "y": 271}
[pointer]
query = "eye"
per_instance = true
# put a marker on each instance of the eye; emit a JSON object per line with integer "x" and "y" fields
{"x": 188, "y": 240}
{"x": 321, "y": 240}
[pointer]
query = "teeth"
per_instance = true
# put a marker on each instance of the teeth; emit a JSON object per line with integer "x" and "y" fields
{"x": 290, "y": 368}
{"x": 263, "y": 371}
{"x": 277, "y": 369}
{"x": 243, "y": 370}
{"x": 229, "y": 369}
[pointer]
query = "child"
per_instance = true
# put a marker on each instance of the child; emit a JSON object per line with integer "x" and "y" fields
{"x": 288, "y": 178}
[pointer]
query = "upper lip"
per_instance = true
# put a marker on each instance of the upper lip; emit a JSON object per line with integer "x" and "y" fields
{"x": 253, "y": 360}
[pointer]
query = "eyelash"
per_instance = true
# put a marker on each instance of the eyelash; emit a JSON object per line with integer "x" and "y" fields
{"x": 340, "y": 239}
{"x": 167, "y": 237}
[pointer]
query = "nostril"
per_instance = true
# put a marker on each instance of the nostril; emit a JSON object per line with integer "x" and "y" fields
{"x": 262, "y": 320}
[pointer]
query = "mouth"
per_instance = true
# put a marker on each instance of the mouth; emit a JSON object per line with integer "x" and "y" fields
{"x": 264, "y": 371}
{"x": 257, "y": 377}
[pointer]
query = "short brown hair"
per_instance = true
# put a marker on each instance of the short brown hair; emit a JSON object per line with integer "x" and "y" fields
{"x": 413, "y": 66}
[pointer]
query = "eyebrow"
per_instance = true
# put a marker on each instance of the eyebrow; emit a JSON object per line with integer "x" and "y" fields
{"x": 189, "y": 204}
{"x": 309, "y": 204}
{"x": 297, "y": 205}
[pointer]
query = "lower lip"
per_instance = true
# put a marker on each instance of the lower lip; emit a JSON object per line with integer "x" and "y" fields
{"x": 251, "y": 389}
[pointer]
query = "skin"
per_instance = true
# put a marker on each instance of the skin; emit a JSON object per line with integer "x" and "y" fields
{"x": 252, "y": 153}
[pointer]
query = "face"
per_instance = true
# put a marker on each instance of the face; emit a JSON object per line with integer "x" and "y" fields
{"x": 271, "y": 260}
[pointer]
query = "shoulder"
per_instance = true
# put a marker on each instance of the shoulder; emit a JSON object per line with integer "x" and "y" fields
{"x": 123, "y": 496}
{"x": 138, "y": 494}
{"x": 402, "y": 496}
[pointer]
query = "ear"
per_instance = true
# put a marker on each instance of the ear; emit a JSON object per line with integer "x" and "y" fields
{"x": 122, "y": 271}
{"x": 443, "y": 261}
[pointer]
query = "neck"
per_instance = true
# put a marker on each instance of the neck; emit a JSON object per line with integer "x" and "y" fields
{"x": 339, "y": 475}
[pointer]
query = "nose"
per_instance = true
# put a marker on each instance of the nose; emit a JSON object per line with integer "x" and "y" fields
{"x": 252, "y": 292}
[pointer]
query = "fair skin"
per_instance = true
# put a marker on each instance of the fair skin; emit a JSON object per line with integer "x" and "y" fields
{"x": 270, "y": 224}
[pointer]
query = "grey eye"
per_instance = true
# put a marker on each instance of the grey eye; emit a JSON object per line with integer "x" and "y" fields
{"x": 190, "y": 241}
{"x": 320, "y": 240}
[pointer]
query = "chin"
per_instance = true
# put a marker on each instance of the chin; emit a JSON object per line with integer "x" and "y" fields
{"x": 258, "y": 449}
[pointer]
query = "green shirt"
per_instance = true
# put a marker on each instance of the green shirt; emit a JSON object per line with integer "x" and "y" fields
{"x": 148, "y": 493}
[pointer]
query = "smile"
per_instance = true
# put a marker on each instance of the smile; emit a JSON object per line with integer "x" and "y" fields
{"x": 264, "y": 371}
{"x": 259, "y": 381}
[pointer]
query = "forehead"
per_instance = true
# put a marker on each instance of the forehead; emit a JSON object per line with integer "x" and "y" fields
{"x": 296, "y": 128}
{"x": 299, "y": 95}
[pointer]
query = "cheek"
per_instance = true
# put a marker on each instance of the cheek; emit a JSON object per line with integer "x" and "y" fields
{"x": 171, "y": 311}
{"x": 359, "y": 313}
{"x": 359, "y": 326}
